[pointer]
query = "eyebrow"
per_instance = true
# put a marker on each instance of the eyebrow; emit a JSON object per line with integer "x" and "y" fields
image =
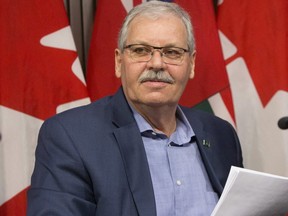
{"x": 145, "y": 43}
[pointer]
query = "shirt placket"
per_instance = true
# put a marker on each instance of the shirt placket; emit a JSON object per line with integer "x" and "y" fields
{"x": 177, "y": 178}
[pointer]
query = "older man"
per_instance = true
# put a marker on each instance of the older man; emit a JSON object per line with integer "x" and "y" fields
{"x": 137, "y": 152}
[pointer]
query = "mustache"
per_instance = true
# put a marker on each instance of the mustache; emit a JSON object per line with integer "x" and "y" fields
{"x": 158, "y": 76}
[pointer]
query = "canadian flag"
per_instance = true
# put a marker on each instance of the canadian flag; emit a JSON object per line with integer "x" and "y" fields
{"x": 210, "y": 75}
{"x": 40, "y": 75}
{"x": 254, "y": 36}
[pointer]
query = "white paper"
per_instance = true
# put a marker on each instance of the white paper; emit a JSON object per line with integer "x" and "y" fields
{"x": 252, "y": 193}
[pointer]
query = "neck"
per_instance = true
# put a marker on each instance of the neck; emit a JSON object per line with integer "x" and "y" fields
{"x": 162, "y": 119}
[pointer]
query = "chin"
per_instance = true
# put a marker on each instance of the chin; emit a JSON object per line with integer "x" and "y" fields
{"x": 158, "y": 103}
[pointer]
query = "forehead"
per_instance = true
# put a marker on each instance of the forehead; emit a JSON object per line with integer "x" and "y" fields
{"x": 164, "y": 29}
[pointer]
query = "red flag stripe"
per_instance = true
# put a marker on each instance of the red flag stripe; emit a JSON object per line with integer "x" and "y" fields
{"x": 15, "y": 206}
{"x": 36, "y": 79}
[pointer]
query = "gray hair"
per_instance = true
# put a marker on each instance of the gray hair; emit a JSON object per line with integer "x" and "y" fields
{"x": 155, "y": 9}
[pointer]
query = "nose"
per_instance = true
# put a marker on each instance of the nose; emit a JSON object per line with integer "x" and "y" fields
{"x": 156, "y": 60}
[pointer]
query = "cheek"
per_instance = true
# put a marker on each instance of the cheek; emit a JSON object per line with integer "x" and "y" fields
{"x": 134, "y": 70}
{"x": 129, "y": 75}
{"x": 182, "y": 78}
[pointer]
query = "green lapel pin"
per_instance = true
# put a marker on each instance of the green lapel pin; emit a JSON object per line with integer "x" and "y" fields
{"x": 206, "y": 143}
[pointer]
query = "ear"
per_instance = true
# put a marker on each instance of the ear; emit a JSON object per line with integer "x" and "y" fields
{"x": 118, "y": 63}
{"x": 192, "y": 62}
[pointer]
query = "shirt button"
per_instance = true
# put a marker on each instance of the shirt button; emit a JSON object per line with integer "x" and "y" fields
{"x": 178, "y": 182}
{"x": 153, "y": 133}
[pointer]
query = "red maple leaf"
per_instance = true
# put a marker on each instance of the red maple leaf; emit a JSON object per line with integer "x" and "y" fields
{"x": 35, "y": 79}
{"x": 259, "y": 30}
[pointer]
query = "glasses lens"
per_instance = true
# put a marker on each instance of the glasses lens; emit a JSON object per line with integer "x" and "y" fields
{"x": 140, "y": 52}
{"x": 173, "y": 55}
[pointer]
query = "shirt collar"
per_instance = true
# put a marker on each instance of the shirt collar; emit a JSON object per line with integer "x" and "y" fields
{"x": 183, "y": 133}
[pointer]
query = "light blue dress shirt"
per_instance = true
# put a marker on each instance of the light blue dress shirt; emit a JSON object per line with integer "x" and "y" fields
{"x": 180, "y": 182}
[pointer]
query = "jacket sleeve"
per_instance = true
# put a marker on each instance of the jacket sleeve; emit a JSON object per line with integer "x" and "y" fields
{"x": 60, "y": 185}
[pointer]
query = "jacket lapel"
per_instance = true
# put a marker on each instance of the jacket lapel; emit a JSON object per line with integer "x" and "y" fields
{"x": 133, "y": 154}
{"x": 204, "y": 145}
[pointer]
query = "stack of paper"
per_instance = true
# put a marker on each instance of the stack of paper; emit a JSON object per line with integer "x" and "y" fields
{"x": 252, "y": 193}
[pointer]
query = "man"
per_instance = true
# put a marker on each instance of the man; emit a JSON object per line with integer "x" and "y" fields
{"x": 137, "y": 152}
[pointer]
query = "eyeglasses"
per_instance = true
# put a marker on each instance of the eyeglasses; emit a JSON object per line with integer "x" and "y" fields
{"x": 144, "y": 53}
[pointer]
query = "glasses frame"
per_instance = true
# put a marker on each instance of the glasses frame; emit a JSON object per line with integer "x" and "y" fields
{"x": 160, "y": 49}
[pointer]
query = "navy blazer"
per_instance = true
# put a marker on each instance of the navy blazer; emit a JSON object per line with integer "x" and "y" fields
{"x": 91, "y": 160}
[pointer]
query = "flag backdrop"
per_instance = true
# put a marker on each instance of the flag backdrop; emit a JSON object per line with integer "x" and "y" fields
{"x": 254, "y": 36}
{"x": 210, "y": 76}
{"x": 40, "y": 75}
